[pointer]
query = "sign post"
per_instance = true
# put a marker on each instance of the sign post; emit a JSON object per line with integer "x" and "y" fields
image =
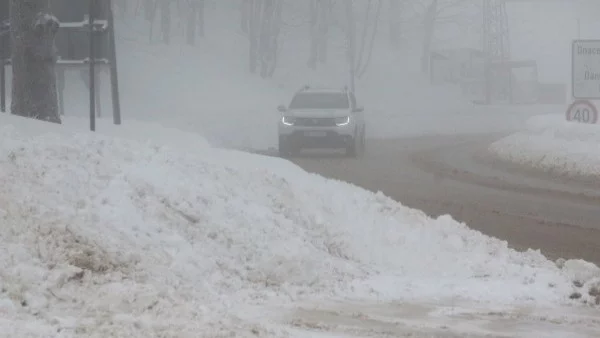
{"x": 92, "y": 68}
{"x": 585, "y": 81}
{"x": 4, "y": 54}
{"x": 582, "y": 111}
{"x": 586, "y": 69}
{"x": 2, "y": 84}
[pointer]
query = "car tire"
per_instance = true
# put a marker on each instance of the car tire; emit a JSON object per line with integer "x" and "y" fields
{"x": 363, "y": 142}
{"x": 286, "y": 148}
{"x": 351, "y": 149}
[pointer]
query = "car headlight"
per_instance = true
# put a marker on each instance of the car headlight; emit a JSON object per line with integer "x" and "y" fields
{"x": 342, "y": 121}
{"x": 288, "y": 121}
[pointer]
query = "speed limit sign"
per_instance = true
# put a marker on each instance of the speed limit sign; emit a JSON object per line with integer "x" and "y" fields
{"x": 582, "y": 111}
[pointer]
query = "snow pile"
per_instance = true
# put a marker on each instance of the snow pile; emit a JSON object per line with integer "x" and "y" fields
{"x": 551, "y": 144}
{"x": 103, "y": 236}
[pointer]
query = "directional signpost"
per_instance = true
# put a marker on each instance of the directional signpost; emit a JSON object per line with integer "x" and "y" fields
{"x": 585, "y": 81}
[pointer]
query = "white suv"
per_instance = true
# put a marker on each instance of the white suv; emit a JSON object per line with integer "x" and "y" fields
{"x": 322, "y": 118}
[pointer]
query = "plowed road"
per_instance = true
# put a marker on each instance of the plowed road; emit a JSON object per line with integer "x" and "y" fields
{"x": 453, "y": 175}
{"x": 447, "y": 175}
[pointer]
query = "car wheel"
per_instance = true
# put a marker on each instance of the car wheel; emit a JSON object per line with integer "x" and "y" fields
{"x": 284, "y": 148}
{"x": 363, "y": 142}
{"x": 351, "y": 149}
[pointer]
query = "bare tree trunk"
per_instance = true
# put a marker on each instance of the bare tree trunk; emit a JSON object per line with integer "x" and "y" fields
{"x": 191, "y": 22}
{"x": 149, "y": 9}
{"x": 429, "y": 23}
{"x": 150, "y": 12}
{"x": 363, "y": 40}
{"x": 265, "y": 36}
{"x": 275, "y": 30}
{"x": 122, "y": 8}
{"x": 255, "y": 7}
{"x": 325, "y": 16}
{"x": 182, "y": 16}
{"x": 201, "y": 23}
{"x": 314, "y": 35}
{"x": 165, "y": 20}
{"x": 362, "y": 67}
{"x": 351, "y": 44}
{"x": 34, "y": 92}
{"x": 395, "y": 32}
{"x": 264, "y": 28}
{"x": 245, "y": 8}
{"x": 319, "y": 29}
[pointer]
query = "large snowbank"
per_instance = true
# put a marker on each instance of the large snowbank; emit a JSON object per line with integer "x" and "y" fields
{"x": 549, "y": 143}
{"x": 119, "y": 236}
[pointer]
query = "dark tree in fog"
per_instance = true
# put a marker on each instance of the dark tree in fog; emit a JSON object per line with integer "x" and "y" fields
{"x": 165, "y": 20}
{"x": 366, "y": 46}
{"x": 245, "y": 6}
{"x": 396, "y": 21}
{"x": 320, "y": 17}
{"x": 351, "y": 44}
{"x": 33, "y": 31}
{"x": 429, "y": 25}
{"x": 195, "y": 20}
{"x": 444, "y": 12}
{"x": 264, "y": 28}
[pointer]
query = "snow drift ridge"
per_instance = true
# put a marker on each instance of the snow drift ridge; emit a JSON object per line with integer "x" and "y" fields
{"x": 108, "y": 236}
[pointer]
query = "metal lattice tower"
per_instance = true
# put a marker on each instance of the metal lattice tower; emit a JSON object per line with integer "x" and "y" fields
{"x": 496, "y": 48}
{"x": 496, "y": 39}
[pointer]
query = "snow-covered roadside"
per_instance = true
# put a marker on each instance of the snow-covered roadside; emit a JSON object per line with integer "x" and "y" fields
{"x": 551, "y": 144}
{"x": 116, "y": 235}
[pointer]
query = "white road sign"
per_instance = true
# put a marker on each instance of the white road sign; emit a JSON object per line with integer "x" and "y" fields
{"x": 586, "y": 69}
{"x": 582, "y": 111}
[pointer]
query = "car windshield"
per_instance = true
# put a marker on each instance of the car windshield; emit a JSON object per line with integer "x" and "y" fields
{"x": 320, "y": 101}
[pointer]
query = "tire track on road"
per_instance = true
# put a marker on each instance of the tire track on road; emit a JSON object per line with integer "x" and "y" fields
{"x": 415, "y": 172}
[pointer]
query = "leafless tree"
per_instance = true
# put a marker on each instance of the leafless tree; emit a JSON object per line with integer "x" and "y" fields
{"x": 245, "y": 11}
{"x": 429, "y": 28}
{"x": 320, "y": 16}
{"x": 34, "y": 56}
{"x": 442, "y": 12}
{"x": 165, "y": 20}
{"x": 351, "y": 43}
{"x": 253, "y": 32}
{"x": 396, "y": 7}
{"x": 362, "y": 64}
{"x": 195, "y": 20}
{"x": 264, "y": 28}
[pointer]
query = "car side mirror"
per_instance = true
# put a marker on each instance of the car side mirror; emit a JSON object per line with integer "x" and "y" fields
{"x": 281, "y": 108}
{"x": 358, "y": 110}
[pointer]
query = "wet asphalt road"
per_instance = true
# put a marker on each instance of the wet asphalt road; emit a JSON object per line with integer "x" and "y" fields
{"x": 449, "y": 175}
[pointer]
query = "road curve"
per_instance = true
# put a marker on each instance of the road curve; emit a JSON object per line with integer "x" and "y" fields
{"x": 444, "y": 175}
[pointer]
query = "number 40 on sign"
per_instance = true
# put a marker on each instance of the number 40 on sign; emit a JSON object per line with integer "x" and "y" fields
{"x": 582, "y": 111}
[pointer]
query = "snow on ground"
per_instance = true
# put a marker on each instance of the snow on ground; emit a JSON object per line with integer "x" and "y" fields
{"x": 551, "y": 144}
{"x": 117, "y": 234}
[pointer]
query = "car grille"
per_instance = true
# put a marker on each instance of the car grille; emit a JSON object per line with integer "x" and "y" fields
{"x": 314, "y": 122}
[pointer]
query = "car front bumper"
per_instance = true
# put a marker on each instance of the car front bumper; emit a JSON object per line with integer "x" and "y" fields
{"x": 317, "y": 139}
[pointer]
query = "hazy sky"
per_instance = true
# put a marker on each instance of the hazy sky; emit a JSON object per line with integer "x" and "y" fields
{"x": 544, "y": 32}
